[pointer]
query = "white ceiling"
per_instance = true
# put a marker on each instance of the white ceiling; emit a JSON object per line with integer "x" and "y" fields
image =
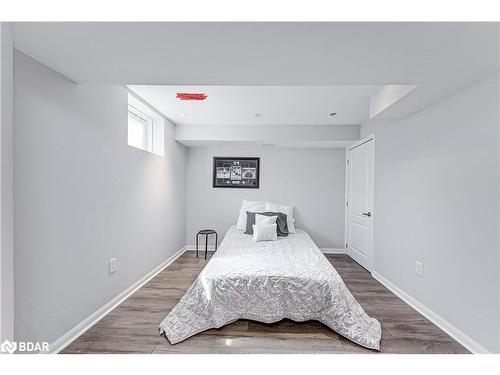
{"x": 439, "y": 57}
{"x": 261, "y": 105}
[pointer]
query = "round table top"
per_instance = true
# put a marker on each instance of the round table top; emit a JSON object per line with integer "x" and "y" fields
{"x": 207, "y": 231}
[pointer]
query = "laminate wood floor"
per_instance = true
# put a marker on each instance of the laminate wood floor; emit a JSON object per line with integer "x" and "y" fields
{"x": 132, "y": 327}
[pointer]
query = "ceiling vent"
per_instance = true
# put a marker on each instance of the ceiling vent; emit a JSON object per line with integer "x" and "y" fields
{"x": 190, "y": 96}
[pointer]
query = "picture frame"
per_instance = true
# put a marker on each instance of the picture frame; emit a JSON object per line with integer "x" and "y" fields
{"x": 236, "y": 172}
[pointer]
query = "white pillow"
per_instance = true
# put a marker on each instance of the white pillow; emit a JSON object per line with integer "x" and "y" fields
{"x": 287, "y": 210}
{"x": 265, "y": 220}
{"x": 250, "y": 206}
{"x": 264, "y": 233}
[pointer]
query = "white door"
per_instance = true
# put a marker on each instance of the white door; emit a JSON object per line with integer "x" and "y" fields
{"x": 359, "y": 203}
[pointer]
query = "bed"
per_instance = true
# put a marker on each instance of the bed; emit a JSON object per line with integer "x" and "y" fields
{"x": 267, "y": 282}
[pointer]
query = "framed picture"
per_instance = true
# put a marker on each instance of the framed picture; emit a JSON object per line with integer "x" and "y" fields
{"x": 240, "y": 173}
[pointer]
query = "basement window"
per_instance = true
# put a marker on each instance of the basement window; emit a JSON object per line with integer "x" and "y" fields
{"x": 145, "y": 127}
{"x": 140, "y": 129}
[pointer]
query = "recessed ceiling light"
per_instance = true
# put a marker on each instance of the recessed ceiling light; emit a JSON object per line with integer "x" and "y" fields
{"x": 333, "y": 114}
{"x": 182, "y": 114}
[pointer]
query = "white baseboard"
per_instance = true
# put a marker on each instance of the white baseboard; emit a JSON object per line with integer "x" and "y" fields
{"x": 438, "y": 320}
{"x": 83, "y": 326}
{"x": 87, "y": 323}
{"x": 324, "y": 250}
{"x": 332, "y": 250}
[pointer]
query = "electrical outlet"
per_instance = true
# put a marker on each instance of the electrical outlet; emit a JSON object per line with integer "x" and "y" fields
{"x": 112, "y": 265}
{"x": 419, "y": 268}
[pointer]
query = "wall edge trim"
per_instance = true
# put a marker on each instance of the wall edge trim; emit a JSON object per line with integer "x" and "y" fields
{"x": 63, "y": 341}
{"x": 457, "y": 334}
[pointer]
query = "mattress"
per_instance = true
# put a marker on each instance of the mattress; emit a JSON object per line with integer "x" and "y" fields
{"x": 267, "y": 282}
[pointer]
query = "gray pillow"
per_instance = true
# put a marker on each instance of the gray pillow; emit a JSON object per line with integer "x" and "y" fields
{"x": 281, "y": 225}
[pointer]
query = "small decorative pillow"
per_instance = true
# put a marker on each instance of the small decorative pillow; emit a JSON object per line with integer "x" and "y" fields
{"x": 281, "y": 222}
{"x": 264, "y": 219}
{"x": 264, "y": 232}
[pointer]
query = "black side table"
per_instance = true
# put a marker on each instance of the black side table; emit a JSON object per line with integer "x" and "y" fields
{"x": 206, "y": 232}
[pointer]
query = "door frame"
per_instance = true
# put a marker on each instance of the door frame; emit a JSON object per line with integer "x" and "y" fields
{"x": 369, "y": 138}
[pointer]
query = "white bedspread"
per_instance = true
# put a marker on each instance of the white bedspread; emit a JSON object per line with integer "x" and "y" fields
{"x": 267, "y": 282}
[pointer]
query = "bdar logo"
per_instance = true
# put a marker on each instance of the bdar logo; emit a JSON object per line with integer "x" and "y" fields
{"x": 8, "y": 347}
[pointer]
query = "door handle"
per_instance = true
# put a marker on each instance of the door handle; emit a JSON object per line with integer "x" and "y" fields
{"x": 367, "y": 214}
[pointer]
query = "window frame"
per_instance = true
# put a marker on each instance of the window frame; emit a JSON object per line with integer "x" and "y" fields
{"x": 148, "y": 127}
{"x": 154, "y": 125}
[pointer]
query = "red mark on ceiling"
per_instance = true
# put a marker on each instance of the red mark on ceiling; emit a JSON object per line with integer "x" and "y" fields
{"x": 190, "y": 96}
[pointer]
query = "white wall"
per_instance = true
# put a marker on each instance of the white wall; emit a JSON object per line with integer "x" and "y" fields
{"x": 310, "y": 179}
{"x": 498, "y": 166}
{"x": 83, "y": 196}
{"x": 6, "y": 185}
{"x": 436, "y": 201}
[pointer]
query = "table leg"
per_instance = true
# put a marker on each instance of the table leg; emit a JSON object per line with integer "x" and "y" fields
{"x": 206, "y": 246}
